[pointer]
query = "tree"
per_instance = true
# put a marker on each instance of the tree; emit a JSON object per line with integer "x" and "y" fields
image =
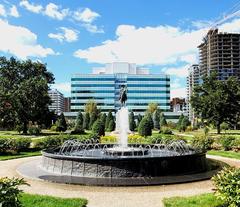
{"x": 111, "y": 126}
{"x": 144, "y": 128}
{"x": 78, "y": 129}
{"x": 139, "y": 118}
{"x": 185, "y": 123}
{"x": 24, "y": 90}
{"x": 61, "y": 123}
{"x": 108, "y": 119}
{"x": 163, "y": 121}
{"x": 103, "y": 118}
{"x": 98, "y": 128}
{"x": 86, "y": 121}
{"x": 91, "y": 107}
{"x": 179, "y": 123}
{"x": 93, "y": 118}
{"x": 217, "y": 101}
{"x": 132, "y": 123}
{"x": 156, "y": 119}
{"x": 152, "y": 107}
{"x": 150, "y": 120}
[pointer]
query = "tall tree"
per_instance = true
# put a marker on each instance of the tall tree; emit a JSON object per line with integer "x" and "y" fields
{"x": 156, "y": 119}
{"x": 24, "y": 90}
{"x": 217, "y": 101}
{"x": 152, "y": 107}
{"x": 108, "y": 119}
{"x": 139, "y": 118}
{"x": 163, "y": 121}
{"x": 79, "y": 124}
{"x": 132, "y": 123}
{"x": 91, "y": 107}
{"x": 144, "y": 128}
{"x": 86, "y": 121}
{"x": 103, "y": 118}
{"x": 61, "y": 123}
{"x": 150, "y": 120}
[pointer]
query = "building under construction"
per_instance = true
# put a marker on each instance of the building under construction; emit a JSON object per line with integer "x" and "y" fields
{"x": 220, "y": 52}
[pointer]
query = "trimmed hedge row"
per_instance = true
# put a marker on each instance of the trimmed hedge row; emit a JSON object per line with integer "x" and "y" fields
{"x": 14, "y": 145}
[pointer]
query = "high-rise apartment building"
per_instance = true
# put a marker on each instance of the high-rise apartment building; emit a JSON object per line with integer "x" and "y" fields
{"x": 104, "y": 85}
{"x": 220, "y": 52}
{"x": 193, "y": 79}
{"x": 67, "y": 104}
{"x": 57, "y": 99}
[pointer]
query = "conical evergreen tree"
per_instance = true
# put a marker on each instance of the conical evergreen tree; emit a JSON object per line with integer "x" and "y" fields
{"x": 144, "y": 128}
{"x": 103, "y": 118}
{"x": 163, "y": 121}
{"x": 93, "y": 118}
{"x": 108, "y": 119}
{"x": 156, "y": 119}
{"x": 132, "y": 123}
{"x": 86, "y": 121}
{"x": 98, "y": 128}
{"x": 111, "y": 126}
{"x": 150, "y": 120}
{"x": 61, "y": 123}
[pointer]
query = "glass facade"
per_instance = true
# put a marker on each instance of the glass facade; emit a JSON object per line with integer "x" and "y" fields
{"x": 104, "y": 89}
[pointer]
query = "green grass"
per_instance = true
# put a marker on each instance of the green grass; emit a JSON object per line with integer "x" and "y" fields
{"x": 229, "y": 154}
{"x": 20, "y": 155}
{"x": 204, "y": 200}
{"x": 29, "y": 200}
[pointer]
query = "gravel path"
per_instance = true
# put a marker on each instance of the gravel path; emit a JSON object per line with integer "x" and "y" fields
{"x": 112, "y": 196}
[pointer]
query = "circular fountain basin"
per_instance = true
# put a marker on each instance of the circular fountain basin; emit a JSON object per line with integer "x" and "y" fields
{"x": 126, "y": 151}
{"x": 107, "y": 165}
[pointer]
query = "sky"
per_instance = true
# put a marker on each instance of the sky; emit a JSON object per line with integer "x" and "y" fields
{"x": 72, "y": 36}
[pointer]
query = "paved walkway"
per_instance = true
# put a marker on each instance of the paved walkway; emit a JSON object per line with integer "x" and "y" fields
{"x": 112, "y": 196}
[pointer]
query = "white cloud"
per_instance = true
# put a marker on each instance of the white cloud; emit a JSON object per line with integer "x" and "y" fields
{"x": 201, "y": 24}
{"x": 21, "y": 42}
{"x": 31, "y": 7}
{"x": 14, "y": 11}
{"x": 146, "y": 45}
{"x": 161, "y": 45}
{"x": 2, "y": 11}
{"x": 86, "y": 15}
{"x": 178, "y": 92}
{"x": 64, "y": 87}
{"x": 66, "y": 34}
{"x": 9, "y": 12}
{"x": 93, "y": 28}
{"x": 177, "y": 71}
{"x": 55, "y": 12}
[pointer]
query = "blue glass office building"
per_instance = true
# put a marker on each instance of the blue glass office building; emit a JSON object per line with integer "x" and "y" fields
{"x": 143, "y": 88}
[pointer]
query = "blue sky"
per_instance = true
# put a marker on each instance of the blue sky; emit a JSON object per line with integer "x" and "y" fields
{"x": 72, "y": 36}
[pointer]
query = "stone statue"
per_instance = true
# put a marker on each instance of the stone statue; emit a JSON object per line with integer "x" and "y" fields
{"x": 123, "y": 95}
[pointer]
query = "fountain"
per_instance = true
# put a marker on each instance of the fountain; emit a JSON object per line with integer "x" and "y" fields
{"x": 92, "y": 163}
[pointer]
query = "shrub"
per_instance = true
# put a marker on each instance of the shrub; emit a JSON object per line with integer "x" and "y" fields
{"x": 53, "y": 128}
{"x": 135, "y": 138}
{"x": 49, "y": 142}
{"x": 108, "y": 139}
{"x": 202, "y": 142}
{"x": 227, "y": 184}
{"x": 9, "y": 192}
{"x": 4, "y": 145}
{"x": 166, "y": 130}
{"x": 19, "y": 128}
{"x": 98, "y": 128}
{"x": 144, "y": 128}
{"x": 61, "y": 124}
{"x": 34, "y": 130}
{"x": 22, "y": 144}
{"x": 227, "y": 142}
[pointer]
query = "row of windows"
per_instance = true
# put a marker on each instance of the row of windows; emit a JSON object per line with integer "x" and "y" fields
{"x": 129, "y": 98}
{"x": 128, "y": 104}
{"x": 112, "y": 91}
{"x": 113, "y": 85}
{"x": 113, "y": 79}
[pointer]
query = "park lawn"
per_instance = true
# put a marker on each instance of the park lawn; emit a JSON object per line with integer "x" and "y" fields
{"x": 204, "y": 200}
{"x": 229, "y": 154}
{"x": 19, "y": 155}
{"x": 29, "y": 200}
